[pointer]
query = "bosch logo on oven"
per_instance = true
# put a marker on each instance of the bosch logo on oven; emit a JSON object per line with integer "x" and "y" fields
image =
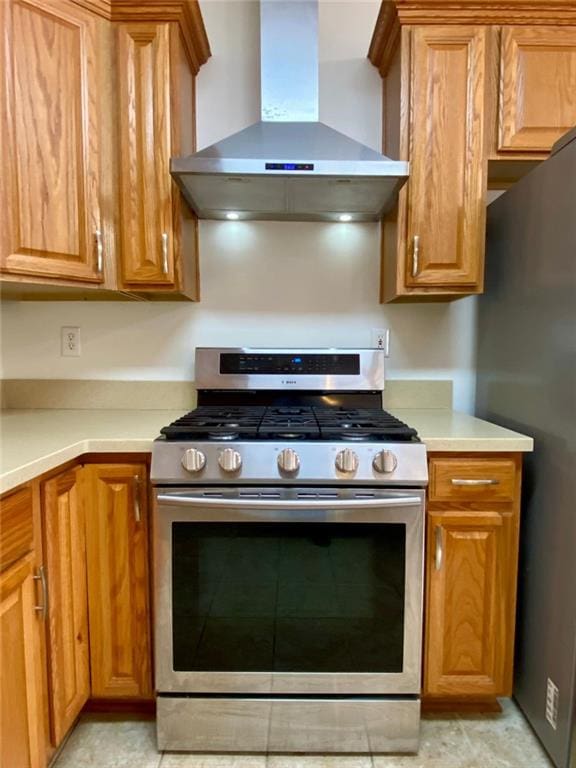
{"x": 289, "y": 381}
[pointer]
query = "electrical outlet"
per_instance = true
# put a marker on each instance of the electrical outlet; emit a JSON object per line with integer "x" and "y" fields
{"x": 381, "y": 339}
{"x": 552, "y": 695}
{"x": 70, "y": 341}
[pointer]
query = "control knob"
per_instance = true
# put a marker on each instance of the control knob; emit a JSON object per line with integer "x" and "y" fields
{"x": 230, "y": 460}
{"x": 385, "y": 462}
{"x": 347, "y": 461}
{"x": 193, "y": 460}
{"x": 288, "y": 461}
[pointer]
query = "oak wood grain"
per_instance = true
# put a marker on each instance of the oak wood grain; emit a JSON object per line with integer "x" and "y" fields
{"x": 50, "y": 149}
{"x": 21, "y": 704}
{"x": 118, "y": 580}
{"x": 158, "y": 121}
{"x": 145, "y": 147}
{"x": 16, "y": 526}
{"x": 466, "y": 617}
{"x": 185, "y": 12}
{"x": 67, "y": 630}
{"x": 443, "y": 471}
{"x": 470, "y": 601}
{"x": 537, "y": 87}
{"x": 185, "y": 222}
{"x": 477, "y": 12}
{"x": 446, "y": 198}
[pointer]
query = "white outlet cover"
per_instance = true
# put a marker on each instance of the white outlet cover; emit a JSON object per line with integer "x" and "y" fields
{"x": 381, "y": 339}
{"x": 70, "y": 341}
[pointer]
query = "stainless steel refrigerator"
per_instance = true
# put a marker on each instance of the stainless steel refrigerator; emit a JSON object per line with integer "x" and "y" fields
{"x": 526, "y": 362}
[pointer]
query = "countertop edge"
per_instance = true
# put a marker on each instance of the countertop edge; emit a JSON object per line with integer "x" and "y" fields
{"x": 479, "y": 444}
{"x": 23, "y": 474}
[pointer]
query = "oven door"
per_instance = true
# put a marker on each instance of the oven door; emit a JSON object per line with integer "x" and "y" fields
{"x": 288, "y": 591}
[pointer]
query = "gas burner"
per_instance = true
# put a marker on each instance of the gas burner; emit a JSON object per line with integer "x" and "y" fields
{"x": 223, "y": 436}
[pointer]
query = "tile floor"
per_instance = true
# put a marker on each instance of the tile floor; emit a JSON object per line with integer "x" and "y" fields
{"x": 447, "y": 741}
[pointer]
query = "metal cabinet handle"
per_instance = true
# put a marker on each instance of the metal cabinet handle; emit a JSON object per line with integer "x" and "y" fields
{"x": 415, "y": 255}
{"x": 99, "y": 250}
{"x": 487, "y": 481}
{"x": 137, "y": 510}
{"x": 165, "y": 252}
{"x": 43, "y": 607}
{"x": 439, "y": 554}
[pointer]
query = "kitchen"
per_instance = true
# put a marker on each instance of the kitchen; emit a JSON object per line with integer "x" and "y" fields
{"x": 87, "y": 385}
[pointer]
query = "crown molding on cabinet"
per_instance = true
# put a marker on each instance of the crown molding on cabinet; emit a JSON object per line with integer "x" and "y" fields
{"x": 396, "y": 13}
{"x": 385, "y": 38}
{"x": 185, "y": 12}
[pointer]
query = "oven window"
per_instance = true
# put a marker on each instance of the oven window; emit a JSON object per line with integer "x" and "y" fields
{"x": 288, "y": 597}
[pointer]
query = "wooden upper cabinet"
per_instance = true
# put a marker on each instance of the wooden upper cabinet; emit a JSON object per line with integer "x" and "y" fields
{"x": 470, "y": 590}
{"x": 537, "y": 99}
{"x": 156, "y": 112}
{"x": 465, "y": 83}
{"x": 145, "y": 147}
{"x": 21, "y": 700}
{"x": 446, "y": 194}
{"x": 94, "y": 100}
{"x": 67, "y": 631}
{"x": 118, "y": 580}
{"x": 50, "y": 145}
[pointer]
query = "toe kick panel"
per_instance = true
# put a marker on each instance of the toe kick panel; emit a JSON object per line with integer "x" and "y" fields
{"x": 288, "y": 725}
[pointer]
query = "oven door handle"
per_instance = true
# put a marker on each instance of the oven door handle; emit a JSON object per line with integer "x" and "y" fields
{"x": 256, "y": 503}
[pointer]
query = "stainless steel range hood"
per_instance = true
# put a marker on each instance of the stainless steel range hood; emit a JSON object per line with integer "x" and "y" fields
{"x": 289, "y": 166}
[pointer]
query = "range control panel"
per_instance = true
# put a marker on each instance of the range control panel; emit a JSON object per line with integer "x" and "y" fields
{"x": 301, "y": 364}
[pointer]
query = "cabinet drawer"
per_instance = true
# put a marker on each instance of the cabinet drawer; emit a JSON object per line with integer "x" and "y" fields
{"x": 16, "y": 527}
{"x": 472, "y": 479}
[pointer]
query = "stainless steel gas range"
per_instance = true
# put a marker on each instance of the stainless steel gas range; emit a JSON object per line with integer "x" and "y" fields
{"x": 288, "y": 538}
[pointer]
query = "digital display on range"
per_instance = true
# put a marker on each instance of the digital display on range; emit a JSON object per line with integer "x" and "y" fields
{"x": 289, "y": 166}
{"x": 255, "y": 363}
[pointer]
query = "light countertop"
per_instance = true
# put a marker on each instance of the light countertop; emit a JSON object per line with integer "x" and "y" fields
{"x": 35, "y": 441}
{"x": 445, "y": 430}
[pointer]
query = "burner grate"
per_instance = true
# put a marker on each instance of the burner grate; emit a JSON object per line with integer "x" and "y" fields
{"x": 216, "y": 423}
{"x": 289, "y": 423}
{"x": 360, "y": 424}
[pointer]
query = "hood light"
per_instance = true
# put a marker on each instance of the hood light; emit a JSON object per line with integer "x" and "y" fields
{"x": 233, "y": 216}
{"x": 344, "y": 217}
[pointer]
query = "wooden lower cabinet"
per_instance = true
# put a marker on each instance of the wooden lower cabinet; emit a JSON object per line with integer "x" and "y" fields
{"x": 471, "y": 572}
{"x": 467, "y": 621}
{"x": 118, "y": 580}
{"x": 67, "y": 628}
{"x": 21, "y": 697}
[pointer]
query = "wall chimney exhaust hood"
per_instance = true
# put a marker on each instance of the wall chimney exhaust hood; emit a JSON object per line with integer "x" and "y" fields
{"x": 289, "y": 166}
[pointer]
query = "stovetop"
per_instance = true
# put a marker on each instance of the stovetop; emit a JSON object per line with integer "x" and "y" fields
{"x": 289, "y": 417}
{"x": 262, "y": 423}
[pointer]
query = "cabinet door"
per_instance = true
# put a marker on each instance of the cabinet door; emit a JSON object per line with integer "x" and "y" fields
{"x": 118, "y": 583}
{"x": 145, "y": 146}
{"x": 445, "y": 199}
{"x": 67, "y": 636}
{"x": 21, "y": 715}
{"x": 49, "y": 147}
{"x": 470, "y": 590}
{"x": 537, "y": 87}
